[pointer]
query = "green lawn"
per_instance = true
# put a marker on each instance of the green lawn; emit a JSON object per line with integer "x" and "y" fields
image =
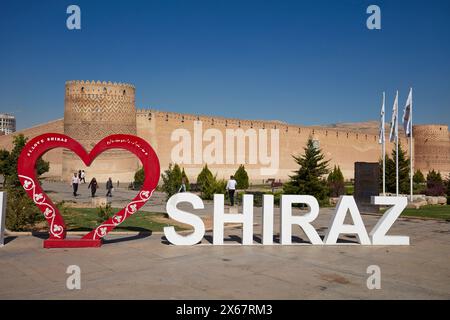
{"x": 429, "y": 211}
{"x": 85, "y": 219}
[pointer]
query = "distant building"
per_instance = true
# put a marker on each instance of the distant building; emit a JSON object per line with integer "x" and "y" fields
{"x": 7, "y": 123}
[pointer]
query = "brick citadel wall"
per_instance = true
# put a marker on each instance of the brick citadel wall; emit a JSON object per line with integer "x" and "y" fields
{"x": 94, "y": 110}
{"x": 341, "y": 147}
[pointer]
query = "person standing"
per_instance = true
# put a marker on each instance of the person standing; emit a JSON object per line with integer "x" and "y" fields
{"x": 75, "y": 182}
{"x": 231, "y": 188}
{"x": 109, "y": 187}
{"x": 183, "y": 185}
{"x": 83, "y": 176}
{"x": 93, "y": 185}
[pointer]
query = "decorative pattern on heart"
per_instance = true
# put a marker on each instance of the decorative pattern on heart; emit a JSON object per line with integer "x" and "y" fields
{"x": 36, "y": 147}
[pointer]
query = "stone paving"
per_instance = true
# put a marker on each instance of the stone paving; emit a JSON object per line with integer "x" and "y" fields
{"x": 59, "y": 191}
{"x": 150, "y": 268}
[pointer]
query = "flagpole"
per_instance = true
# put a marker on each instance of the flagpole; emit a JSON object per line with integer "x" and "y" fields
{"x": 411, "y": 150}
{"x": 383, "y": 148}
{"x": 396, "y": 148}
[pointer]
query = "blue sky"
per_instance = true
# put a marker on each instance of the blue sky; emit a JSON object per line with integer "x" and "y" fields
{"x": 304, "y": 62}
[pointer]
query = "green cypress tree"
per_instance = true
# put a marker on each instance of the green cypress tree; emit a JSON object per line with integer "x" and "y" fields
{"x": 435, "y": 185}
{"x": 171, "y": 180}
{"x": 403, "y": 172}
{"x": 418, "y": 177}
{"x": 241, "y": 177}
{"x": 139, "y": 177}
{"x": 308, "y": 179}
{"x": 448, "y": 189}
{"x": 208, "y": 184}
{"x": 204, "y": 177}
{"x": 336, "y": 182}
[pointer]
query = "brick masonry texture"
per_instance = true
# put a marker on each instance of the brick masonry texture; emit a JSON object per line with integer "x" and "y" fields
{"x": 96, "y": 109}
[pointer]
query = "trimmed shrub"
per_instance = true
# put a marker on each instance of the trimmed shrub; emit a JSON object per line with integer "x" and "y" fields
{"x": 139, "y": 177}
{"x": 211, "y": 186}
{"x": 418, "y": 177}
{"x": 336, "y": 182}
{"x": 241, "y": 178}
{"x": 172, "y": 179}
{"x": 435, "y": 185}
{"x": 204, "y": 177}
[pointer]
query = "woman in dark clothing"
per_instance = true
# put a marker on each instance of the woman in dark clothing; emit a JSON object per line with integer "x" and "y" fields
{"x": 93, "y": 186}
{"x": 109, "y": 187}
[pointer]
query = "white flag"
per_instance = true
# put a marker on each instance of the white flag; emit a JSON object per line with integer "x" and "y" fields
{"x": 381, "y": 139}
{"x": 407, "y": 114}
{"x": 394, "y": 130}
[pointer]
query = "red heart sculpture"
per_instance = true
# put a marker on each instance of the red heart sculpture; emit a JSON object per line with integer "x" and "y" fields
{"x": 57, "y": 230}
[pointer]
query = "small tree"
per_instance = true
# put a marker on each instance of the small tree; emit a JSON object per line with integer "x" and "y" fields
{"x": 204, "y": 177}
{"x": 139, "y": 177}
{"x": 403, "y": 172}
{"x": 171, "y": 180}
{"x": 241, "y": 177}
{"x": 308, "y": 179}
{"x": 209, "y": 185}
{"x": 418, "y": 177}
{"x": 21, "y": 212}
{"x": 435, "y": 185}
{"x": 448, "y": 189}
{"x": 336, "y": 182}
{"x": 419, "y": 185}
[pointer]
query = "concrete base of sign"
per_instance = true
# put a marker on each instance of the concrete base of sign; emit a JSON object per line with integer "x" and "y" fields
{"x": 72, "y": 243}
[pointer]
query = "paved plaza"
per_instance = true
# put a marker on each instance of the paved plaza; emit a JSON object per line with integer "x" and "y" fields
{"x": 145, "y": 266}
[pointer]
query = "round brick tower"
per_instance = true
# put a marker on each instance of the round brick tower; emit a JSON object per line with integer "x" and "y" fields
{"x": 92, "y": 111}
{"x": 432, "y": 148}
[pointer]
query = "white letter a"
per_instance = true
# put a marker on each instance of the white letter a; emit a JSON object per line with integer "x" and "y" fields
{"x": 374, "y": 20}
{"x": 74, "y": 20}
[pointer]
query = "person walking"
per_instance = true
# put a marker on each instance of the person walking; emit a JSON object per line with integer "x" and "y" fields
{"x": 231, "y": 188}
{"x": 109, "y": 187}
{"x": 75, "y": 182}
{"x": 83, "y": 176}
{"x": 93, "y": 185}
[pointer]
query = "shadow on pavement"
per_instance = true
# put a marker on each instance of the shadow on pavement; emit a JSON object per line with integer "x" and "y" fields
{"x": 142, "y": 233}
{"x": 8, "y": 239}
